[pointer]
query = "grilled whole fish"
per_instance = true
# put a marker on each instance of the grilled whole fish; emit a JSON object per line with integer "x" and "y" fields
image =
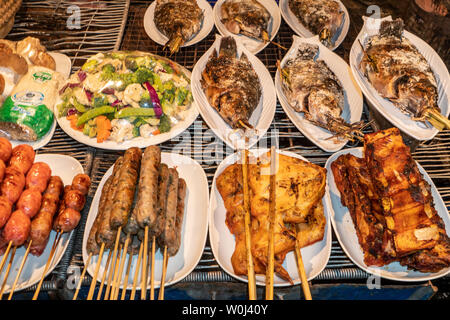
{"x": 399, "y": 73}
{"x": 322, "y": 17}
{"x": 312, "y": 88}
{"x": 231, "y": 85}
{"x": 247, "y": 17}
{"x": 179, "y": 20}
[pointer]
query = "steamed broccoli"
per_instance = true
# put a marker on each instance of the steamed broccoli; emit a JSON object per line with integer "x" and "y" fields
{"x": 164, "y": 124}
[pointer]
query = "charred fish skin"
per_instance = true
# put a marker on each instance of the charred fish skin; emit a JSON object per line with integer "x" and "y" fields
{"x": 246, "y": 17}
{"x": 313, "y": 89}
{"x": 179, "y": 20}
{"x": 400, "y": 73}
{"x": 322, "y": 17}
{"x": 231, "y": 85}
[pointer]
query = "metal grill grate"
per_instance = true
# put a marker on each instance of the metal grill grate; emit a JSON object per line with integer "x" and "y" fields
{"x": 99, "y": 27}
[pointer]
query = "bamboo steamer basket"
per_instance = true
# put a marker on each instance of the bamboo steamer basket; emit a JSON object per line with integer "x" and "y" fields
{"x": 8, "y": 10}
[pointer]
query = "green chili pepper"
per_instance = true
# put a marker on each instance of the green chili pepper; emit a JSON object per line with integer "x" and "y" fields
{"x": 135, "y": 112}
{"x": 90, "y": 114}
{"x": 79, "y": 106}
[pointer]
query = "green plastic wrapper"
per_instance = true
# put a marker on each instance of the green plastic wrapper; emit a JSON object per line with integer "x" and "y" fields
{"x": 26, "y": 115}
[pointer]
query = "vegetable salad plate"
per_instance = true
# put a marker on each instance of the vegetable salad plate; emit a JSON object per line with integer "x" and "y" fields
{"x": 119, "y": 100}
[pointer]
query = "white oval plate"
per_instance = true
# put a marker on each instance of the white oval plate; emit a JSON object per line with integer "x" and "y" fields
{"x": 262, "y": 115}
{"x": 315, "y": 257}
{"x": 415, "y": 129}
{"x": 304, "y": 32}
{"x": 66, "y": 167}
{"x": 153, "y": 32}
{"x": 253, "y": 45}
{"x": 353, "y": 104}
{"x": 346, "y": 233}
{"x": 194, "y": 229}
{"x": 188, "y": 115}
{"x": 63, "y": 66}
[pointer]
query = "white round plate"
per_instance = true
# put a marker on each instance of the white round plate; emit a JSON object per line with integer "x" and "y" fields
{"x": 153, "y": 32}
{"x": 253, "y": 45}
{"x": 194, "y": 229}
{"x": 188, "y": 116}
{"x": 315, "y": 257}
{"x": 63, "y": 66}
{"x": 353, "y": 104}
{"x": 66, "y": 167}
{"x": 346, "y": 233}
{"x": 302, "y": 31}
{"x": 261, "y": 117}
{"x": 416, "y": 129}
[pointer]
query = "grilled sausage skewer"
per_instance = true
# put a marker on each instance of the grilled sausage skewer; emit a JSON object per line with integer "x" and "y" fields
{"x": 168, "y": 236}
{"x": 146, "y": 204}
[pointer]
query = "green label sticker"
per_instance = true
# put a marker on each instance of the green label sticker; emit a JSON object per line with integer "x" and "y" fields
{"x": 42, "y": 76}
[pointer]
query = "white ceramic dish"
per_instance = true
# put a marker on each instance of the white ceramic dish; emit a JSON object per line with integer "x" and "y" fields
{"x": 66, "y": 167}
{"x": 315, "y": 257}
{"x": 188, "y": 116}
{"x": 253, "y": 45}
{"x": 194, "y": 229}
{"x": 416, "y": 129}
{"x": 261, "y": 117}
{"x": 302, "y": 31}
{"x": 346, "y": 233}
{"x": 63, "y": 66}
{"x": 352, "y": 94}
{"x": 153, "y": 32}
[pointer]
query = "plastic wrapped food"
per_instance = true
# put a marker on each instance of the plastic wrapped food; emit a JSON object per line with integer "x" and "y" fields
{"x": 131, "y": 94}
{"x": 26, "y": 115}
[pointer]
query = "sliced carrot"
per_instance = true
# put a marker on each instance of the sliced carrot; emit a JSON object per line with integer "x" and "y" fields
{"x": 73, "y": 118}
{"x": 156, "y": 132}
{"x": 103, "y": 128}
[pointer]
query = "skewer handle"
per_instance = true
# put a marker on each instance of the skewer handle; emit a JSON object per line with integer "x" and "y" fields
{"x": 302, "y": 273}
{"x": 82, "y": 277}
{"x": 20, "y": 270}
{"x": 97, "y": 267}
{"x": 163, "y": 276}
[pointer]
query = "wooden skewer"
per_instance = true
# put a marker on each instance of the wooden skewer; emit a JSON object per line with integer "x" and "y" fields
{"x": 100, "y": 290}
{"x": 136, "y": 272}
{"x": 152, "y": 272}
{"x": 82, "y": 277}
{"x": 272, "y": 208}
{"x": 144, "y": 266}
{"x": 8, "y": 268}
{"x": 113, "y": 265}
{"x": 163, "y": 276}
{"x": 24, "y": 259}
{"x": 127, "y": 275}
{"x": 250, "y": 266}
{"x": 50, "y": 258}
{"x": 116, "y": 272}
{"x": 97, "y": 268}
{"x": 122, "y": 264}
{"x": 302, "y": 273}
{"x": 5, "y": 256}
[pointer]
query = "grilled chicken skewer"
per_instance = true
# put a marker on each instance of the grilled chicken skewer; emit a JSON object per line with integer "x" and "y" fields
{"x": 312, "y": 88}
{"x": 179, "y": 20}
{"x": 399, "y": 72}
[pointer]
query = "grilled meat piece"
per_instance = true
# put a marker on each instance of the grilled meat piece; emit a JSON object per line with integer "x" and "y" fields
{"x": 247, "y": 17}
{"x": 231, "y": 85}
{"x": 399, "y": 73}
{"x": 312, "y": 88}
{"x": 391, "y": 205}
{"x": 322, "y": 17}
{"x": 179, "y": 20}
{"x": 405, "y": 196}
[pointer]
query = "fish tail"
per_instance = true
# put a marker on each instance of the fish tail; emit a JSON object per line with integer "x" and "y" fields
{"x": 325, "y": 37}
{"x": 228, "y": 47}
{"x": 438, "y": 120}
{"x": 342, "y": 129}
